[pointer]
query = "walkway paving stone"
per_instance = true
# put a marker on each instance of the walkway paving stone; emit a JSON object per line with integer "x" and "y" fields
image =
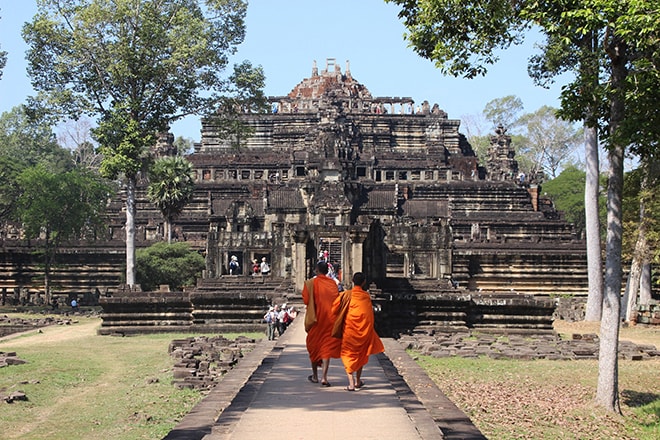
{"x": 269, "y": 393}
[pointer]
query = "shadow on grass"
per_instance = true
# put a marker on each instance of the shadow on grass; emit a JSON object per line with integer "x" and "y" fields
{"x": 636, "y": 399}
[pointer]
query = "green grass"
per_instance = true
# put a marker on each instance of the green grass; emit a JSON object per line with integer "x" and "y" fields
{"x": 92, "y": 387}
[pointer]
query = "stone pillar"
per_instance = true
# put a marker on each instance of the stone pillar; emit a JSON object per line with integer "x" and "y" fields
{"x": 357, "y": 238}
{"x": 298, "y": 257}
{"x": 534, "y": 193}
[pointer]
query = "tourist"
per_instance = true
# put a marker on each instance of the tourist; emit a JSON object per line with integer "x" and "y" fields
{"x": 321, "y": 346}
{"x": 359, "y": 338}
{"x": 234, "y": 267}
{"x": 271, "y": 319}
{"x": 256, "y": 268}
{"x": 74, "y": 305}
{"x": 282, "y": 320}
{"x": 265, "y": 268}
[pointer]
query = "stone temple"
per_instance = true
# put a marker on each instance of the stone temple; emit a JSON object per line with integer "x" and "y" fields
{"x": 382, "y": 184}
{"x": 386, "y": 187}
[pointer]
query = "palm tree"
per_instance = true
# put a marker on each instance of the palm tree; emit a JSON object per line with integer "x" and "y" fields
{"x": 170, "y": 188}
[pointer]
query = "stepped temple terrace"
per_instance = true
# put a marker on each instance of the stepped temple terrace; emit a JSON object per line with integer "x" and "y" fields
{"x": 382, "y": 185}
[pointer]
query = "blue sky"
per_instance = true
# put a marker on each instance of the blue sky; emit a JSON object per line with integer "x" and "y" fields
{"x": 286, "y": 36}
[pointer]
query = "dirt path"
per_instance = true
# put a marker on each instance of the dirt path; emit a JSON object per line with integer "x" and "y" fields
{"x": 636, "y": 333}
{"x": 53, "y": 333}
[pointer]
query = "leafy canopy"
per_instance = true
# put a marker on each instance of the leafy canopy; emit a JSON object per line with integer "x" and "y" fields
{"x": 170, "y": 185}
{"x": 63, "y": 205}
{"x": 173, "y": 264}
{"x": 136, "y": 64}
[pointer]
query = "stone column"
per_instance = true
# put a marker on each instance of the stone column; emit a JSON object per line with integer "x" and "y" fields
{"x": 298, "y": 257}
{"x": 357, "y": 254}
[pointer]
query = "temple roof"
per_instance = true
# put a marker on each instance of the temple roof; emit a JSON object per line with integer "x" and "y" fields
{"x": 330, "y": 81}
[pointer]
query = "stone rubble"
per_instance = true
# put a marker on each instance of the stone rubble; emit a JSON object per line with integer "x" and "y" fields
{"x": 471, "y": 344}
{"x": 201, "y": 361}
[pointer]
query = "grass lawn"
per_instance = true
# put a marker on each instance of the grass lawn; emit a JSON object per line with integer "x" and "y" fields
{"x": 84, "y": 386}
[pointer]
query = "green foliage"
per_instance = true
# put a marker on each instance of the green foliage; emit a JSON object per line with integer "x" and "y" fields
{"x": 63, "y": 205}
{"x": 171, "y": 186}
{"x": 137, "y": 65}
{"x": 29, "y": 142}
{"x": 25, "y": 143}
{"x": 567, "y": 194}
{"x": 461, "y": 36}
{"x": 152, "y": 62}
{"x": 183, "y": 145}
{"x": 164, "y": 263}
{"x": 246, "y": 96}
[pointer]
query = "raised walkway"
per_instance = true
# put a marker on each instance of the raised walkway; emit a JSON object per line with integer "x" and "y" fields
{"x": 268, "y": 395}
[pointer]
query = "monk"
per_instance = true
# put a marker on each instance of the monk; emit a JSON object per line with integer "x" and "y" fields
{"x": 321, "y": 346}
{"x": 359, "y": 339}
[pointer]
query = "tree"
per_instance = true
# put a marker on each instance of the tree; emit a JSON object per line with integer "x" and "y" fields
{"x": 245, "y": 97}
{"x": 137, "y": 66}
{"x": 173, "y": 264}
{"x": 170, "y": 187}
{"x": 184, "y": 146}
{"x": 550, "y": 140}
{"x": 3, "y": 61}
{"x": 567, "y": 193}
{"x": 641, "y": 216}
{"x": 58, "y": 206}
{"x": 461, "y": 36}
{"x": 24, "y": 144}
{"x": 76, "y": 137}
{"x": 504, "y": 112}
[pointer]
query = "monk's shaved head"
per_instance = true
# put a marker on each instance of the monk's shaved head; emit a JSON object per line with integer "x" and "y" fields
{"x": 359, "y": 278}
{"x": 322, "y": 267}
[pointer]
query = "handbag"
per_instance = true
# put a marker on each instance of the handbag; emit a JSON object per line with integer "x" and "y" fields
{"x": 310, "y": 313}
{"x": 338, "y": 327}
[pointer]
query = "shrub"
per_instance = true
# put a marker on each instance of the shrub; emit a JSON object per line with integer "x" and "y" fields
{"x": 168, "y": 263}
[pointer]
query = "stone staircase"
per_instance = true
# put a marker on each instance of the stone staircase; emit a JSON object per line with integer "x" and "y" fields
{"x": 230, "y": 304}
{"x": 406, "y": 306}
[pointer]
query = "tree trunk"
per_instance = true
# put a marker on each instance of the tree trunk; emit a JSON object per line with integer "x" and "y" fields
{"x": 168, "y": 226}
{"x": 607, "y": 392}
{"x": 47, "y": 264}
{"x": 130, "y": 231}
{"x": 632, "y": 288}
{"x": 649, "y": 181}
{"x": 594, "y": 258}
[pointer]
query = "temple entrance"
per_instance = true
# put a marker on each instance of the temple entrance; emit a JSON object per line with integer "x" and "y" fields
{"x": 330, "y": 250}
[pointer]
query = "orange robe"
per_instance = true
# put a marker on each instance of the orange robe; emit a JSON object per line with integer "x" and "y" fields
{"x": 320, "y": 343}
{"x": 360, "y": 339}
